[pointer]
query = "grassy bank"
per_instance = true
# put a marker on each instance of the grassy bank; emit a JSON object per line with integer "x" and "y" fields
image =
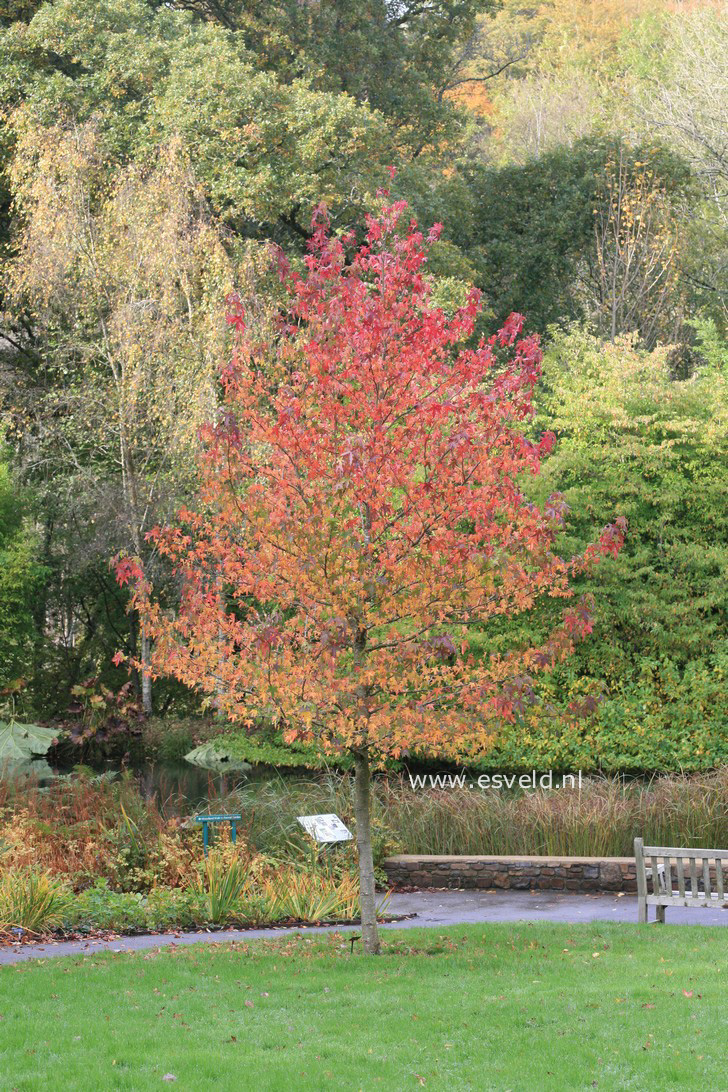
{"x": 488, "y": 1007}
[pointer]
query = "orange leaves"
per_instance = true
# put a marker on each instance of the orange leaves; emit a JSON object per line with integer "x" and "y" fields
{"x": 128, "y": 570}
{"x": 363, "y": 517}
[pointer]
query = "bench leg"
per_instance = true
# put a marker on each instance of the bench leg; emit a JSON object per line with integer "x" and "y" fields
{"x": 661, "y": 914}
{"x": 641, "y": 912}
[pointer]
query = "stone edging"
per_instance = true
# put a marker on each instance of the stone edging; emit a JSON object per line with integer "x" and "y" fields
{"x": 580, "y": 874}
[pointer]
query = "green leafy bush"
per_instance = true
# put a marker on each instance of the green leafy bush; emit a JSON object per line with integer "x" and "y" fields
{"x": 266, "y": 747}
{"x": 633, "y": 441}
{"x": 22, "y": 577}
{"x": 98, "y": 907}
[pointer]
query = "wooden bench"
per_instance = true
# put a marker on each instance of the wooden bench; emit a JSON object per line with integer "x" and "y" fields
{"x": 665, "y": 869}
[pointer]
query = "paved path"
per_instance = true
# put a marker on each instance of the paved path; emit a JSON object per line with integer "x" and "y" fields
{"x": 428, "y": 908}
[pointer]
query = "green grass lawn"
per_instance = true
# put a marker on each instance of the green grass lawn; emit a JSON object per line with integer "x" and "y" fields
{"x": 521, "y": 1007}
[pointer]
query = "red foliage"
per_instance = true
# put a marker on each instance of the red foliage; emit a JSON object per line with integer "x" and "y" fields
{"x": 363, "y": 510}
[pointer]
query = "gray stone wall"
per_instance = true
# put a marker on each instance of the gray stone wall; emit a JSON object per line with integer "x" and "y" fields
{"x": 584, "y": 874}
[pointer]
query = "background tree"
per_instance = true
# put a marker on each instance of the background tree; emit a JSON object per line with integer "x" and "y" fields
{"x": 681, "y": 95}
{"x": 361, "y": 517}
{"x": 126, "y": 284}
{"x": 394, "y": 55}
{"x": 21, "y": 579}
{"x": 633, "y": 272}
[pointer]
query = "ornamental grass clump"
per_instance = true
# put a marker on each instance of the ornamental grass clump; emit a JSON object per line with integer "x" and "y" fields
{"x": 222, "y": 884}
{"x": 598, "y": 818}
{"x": 32, "y": 901}
{"x": 312, "y": 895}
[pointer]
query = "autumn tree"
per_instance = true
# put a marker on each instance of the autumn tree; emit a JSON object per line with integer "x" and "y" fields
{"x": 680, "y": 94}
{"x": 363, "y": 511}
{"x": 632, "y": 279}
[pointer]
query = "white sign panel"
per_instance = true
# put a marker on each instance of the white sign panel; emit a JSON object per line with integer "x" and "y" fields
{"x": 325, "y": 828}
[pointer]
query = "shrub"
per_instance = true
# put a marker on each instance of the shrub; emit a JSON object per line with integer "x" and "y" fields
{"x": 171, "y": 738}
{"x": 86, "y": 828}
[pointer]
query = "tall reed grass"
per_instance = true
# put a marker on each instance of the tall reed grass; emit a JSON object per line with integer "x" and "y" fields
{"x": 601, "y": 818}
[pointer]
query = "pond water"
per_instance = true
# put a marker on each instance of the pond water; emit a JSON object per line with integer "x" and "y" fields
{"x": 177, "y": 786}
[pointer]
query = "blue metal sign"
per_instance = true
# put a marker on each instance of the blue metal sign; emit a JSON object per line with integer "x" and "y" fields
{"x": 207, "y": 819}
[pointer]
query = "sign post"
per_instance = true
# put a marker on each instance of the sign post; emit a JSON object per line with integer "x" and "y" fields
{"x": 207, "y": 819}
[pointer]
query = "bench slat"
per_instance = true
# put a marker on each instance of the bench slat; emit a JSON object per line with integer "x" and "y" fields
{"x": 706, "y": 875}
{"x": 683, "y": 900}
{"x": 682, "y": 851}
{"x": 656, "y": 886}
{"x": 693, "y": 878}
{"x": 719, "y": 878}
{"x": 681, "y": 876}
{"x": 667, "y": 886}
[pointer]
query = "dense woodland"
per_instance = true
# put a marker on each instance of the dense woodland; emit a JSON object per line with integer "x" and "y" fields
{"x": 156, "y": 157}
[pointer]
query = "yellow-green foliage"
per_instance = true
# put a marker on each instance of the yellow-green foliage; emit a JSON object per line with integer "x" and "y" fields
{"x": 635, "y": 442}
{"x": 222, "y": 883}
{"x": 32, "y": 900}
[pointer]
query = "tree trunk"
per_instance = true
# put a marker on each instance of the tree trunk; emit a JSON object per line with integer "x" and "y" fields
{"x": 363, "y": 815}
{"x": 136, "y": 679}
{"x": 146, "y": 675}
